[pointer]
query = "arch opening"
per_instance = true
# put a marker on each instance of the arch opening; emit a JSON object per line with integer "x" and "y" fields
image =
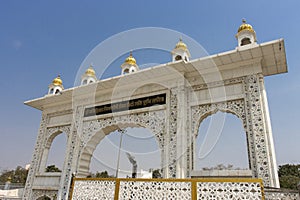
{"x": 54, "y": 152}
{"x": 221, "y": 143}
{"x": 102, "y": 153}
{"x": 45, "y": 197}
{"x": 126, "y": 71}
{"x": 178, "y": 57}
{"x": 245, "y": 41}
{"x": 57, "y": 91}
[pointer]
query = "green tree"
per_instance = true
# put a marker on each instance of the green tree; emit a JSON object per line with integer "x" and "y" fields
{"x": 52, "y": 168}
{"x": 6, "y": 174}
{"x": 156, "y": 173}
{"x": 102, "y": 175}
{"x": 289, "y": 176}
{"x": 18, "y": 175}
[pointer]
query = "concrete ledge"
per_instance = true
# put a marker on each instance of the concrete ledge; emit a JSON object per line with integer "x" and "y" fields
{"x": 277, "y": 193}
{"x": 222, "y": 174}
{"x": 47, "y": 181}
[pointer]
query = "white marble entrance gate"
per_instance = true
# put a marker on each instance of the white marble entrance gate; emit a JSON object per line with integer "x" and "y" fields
{"x": 229, "y": 82}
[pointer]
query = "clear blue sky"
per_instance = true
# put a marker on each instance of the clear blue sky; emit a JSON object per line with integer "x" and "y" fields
{"x": 40, "y": 39}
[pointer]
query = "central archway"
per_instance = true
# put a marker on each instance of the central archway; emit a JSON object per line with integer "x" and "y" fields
{"x": 113, "y": 152}
{"x": 94, "y": 131}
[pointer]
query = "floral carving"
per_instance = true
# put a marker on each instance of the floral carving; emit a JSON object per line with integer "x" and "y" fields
{"x": 153, "y": 120}
{"x": 229, "y": 190}
{"x": 163, "y": 124}
{"x": 172, "y": 133}
{"x": 52, "y": 194}
{"x": 71, "y": 152}
{"x": 256, "y": 130}
{"x": 35, "y": 159}
{"x": 94, "y": 189}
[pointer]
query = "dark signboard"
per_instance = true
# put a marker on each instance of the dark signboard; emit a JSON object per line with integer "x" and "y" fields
{"x": 143, "y": 102}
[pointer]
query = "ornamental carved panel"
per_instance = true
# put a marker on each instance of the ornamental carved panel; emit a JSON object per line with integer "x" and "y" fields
{"x": 35, "y": 159}
{"x": 39, "y": 194}
{"x": 154, "y": 190}
{"x": 256, "y": 130}
{"x": 172, "y": 140}
{"x": 153, "y": 120}
{"x": 229, "y": 190}
{"x": 94, "y": 189}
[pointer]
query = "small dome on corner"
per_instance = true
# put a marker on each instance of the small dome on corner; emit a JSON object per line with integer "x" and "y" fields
{"x": 245, "y": 26}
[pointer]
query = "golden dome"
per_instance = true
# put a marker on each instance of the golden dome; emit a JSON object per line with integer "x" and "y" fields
{"x": 90, "y": 71}
{"x": 181, "y": 45}
{"x": 245, "y": 26}
{"x": 130, "y": 60}
{"x": 57, "y": 81}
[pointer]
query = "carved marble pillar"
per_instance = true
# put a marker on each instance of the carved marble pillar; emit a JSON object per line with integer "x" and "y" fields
{"x": 171, "y": 138}
{"x": 182, "y": 130}
{"x": 259, "y": 132}
{"x": 269, "y": 135}
{"x": 36, "y": 159}
{"x": 71, "y": 154}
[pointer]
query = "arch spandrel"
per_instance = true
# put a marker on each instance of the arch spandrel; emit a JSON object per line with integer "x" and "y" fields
{"x": 154, "y": 121}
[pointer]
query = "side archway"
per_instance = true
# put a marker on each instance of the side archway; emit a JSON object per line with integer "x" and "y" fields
{"x": 221, "y": 144}
{"x": 200, "y": 112}
{"x": 51, "y": 134}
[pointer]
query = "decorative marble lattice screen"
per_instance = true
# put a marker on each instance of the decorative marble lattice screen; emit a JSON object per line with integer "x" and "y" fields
{"x": 152, "y": 189}
{"x": 135, "y": 190}
{"x": 93, "y": 189}
{"x": 229, "y": 190}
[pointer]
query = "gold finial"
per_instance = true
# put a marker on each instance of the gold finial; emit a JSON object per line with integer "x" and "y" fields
{"x": 130, "y": 59}
{"x": 57, "y": 81}
{"x": 90, "y": 71}
{"x": 245, "y": 26}
{"x": 181, "y": 45}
